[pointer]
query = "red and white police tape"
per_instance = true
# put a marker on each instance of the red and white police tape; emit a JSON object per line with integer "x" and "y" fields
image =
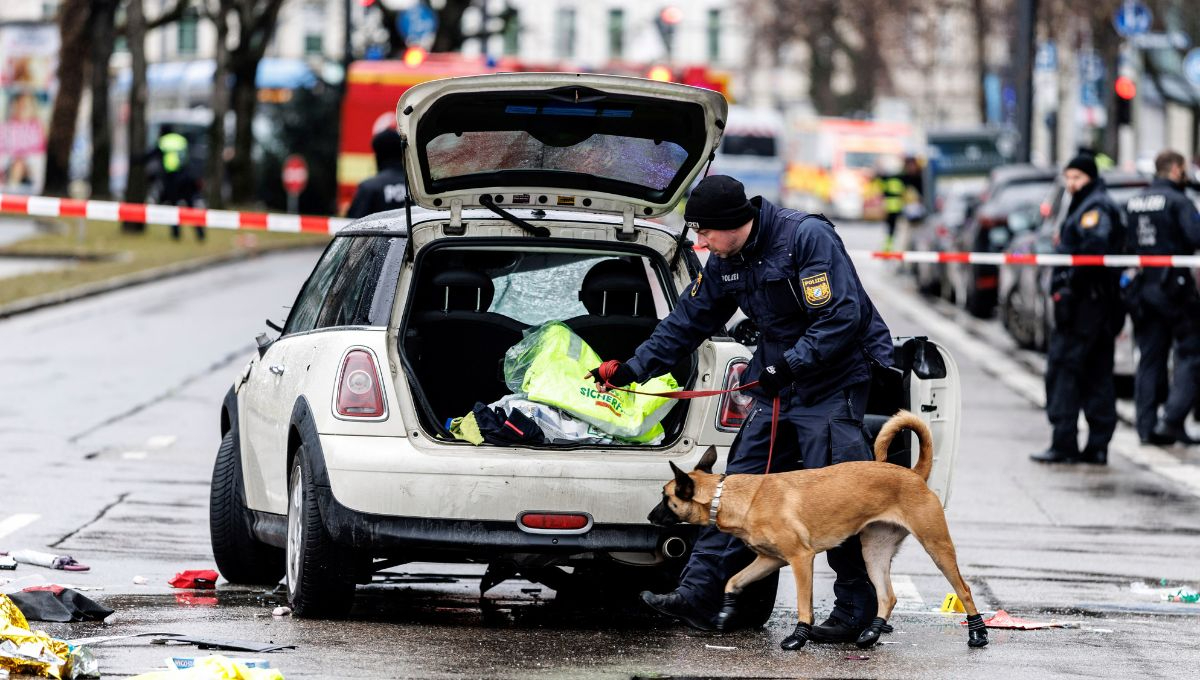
{"x": 44, "y": 206}
{"x": 1032, "y": 259}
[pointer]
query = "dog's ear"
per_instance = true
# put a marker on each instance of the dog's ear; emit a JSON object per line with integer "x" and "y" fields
{"x": 684, "y": 487}
{"x": 706, "y": 463}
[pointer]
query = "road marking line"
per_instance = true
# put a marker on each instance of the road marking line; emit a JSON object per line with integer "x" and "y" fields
{"x": 15, "y": 523}
{"x": 161, "y": 441}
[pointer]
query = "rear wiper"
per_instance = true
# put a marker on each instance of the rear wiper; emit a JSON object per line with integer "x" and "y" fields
{"x": 532, "y": 229}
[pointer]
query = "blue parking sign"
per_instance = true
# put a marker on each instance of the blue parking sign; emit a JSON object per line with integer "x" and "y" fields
{"x": 417, "y": 23}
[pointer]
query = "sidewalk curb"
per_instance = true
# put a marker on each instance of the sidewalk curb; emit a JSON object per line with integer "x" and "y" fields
{"x": 135, "y": 279}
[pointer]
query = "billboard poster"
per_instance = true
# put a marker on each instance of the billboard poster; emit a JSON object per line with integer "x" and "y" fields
{"x": 28, "y": 62}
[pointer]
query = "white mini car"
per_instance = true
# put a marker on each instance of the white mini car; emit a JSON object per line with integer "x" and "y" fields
{"x": 534, "y": 193}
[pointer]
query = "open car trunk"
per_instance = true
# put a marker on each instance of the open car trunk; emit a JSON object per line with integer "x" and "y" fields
{"x": 474, "y": 298}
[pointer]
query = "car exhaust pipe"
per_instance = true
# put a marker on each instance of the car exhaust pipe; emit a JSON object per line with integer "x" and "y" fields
{"x": 674, "y": 546}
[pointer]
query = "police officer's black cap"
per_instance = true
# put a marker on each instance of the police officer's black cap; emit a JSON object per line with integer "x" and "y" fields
{"x": 1085, "y": 163}
{"x": 718, "y": 202}
{"x": 387, "y": 146}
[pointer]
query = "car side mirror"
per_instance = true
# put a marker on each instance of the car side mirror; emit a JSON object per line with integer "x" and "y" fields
{"x": 263, "y": 341}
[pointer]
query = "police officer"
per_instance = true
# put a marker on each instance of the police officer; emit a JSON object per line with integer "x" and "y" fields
{"x": 1162, "y": 221}
{"x": 386, "y": 189}
{"x": 821, "y": 336}
{"x": 176, "y": 185}
{"x": 1087, "y": 316}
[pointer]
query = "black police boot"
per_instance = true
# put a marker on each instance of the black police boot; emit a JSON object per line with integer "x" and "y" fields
{"x": 798, "y": 637}
{"x": 1166, "y": 434}
{"x": 1052, "y": 455}
{"x": 870, "y": 635}
{"x": 728, "y": 611}
{"x": 1094, "y": 456}
{"x": 676, "y": 606}
{"x": 976, "y": 631}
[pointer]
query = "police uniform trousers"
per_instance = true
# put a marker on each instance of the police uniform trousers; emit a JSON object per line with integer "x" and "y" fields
{"x": 808, "y": 436}
{"x": 1153, "y": 334}
{"x": 1079, "y": 375}
{"x": 1185, "y": 383}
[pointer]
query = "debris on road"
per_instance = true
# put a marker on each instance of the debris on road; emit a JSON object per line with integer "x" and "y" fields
{"x": 49, "y": 560}
{"x": 718, "y": 647}
{"x": 1002, "y": 619}
{"x": 205, "y": 579}
{"x": 182, "y": 663}
{"x": 213, "y": 668}
{"x": 1166, "y": 594}
{"x": 139, "y": 580}
{"x": 281, "y": 611}
{"x": 216, "y": 643}
{"x": 7, "y": 562}
{"x": 25, "y": 651}
{"x": 58, "y": 605}
{"x": 857, "y": 657}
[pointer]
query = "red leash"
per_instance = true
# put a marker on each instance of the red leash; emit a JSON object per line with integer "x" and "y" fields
{"x": 607, "y": 369}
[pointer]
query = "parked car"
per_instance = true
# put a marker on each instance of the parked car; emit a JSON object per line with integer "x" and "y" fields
{"x": 336, "y": 460}
{"x": 1010, "y": 188}
{"x": 939, "y": 233}
{"x": 1026, "y": 309}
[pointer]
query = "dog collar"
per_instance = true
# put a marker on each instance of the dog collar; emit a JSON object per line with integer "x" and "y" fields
{"x": 716, "y": 502}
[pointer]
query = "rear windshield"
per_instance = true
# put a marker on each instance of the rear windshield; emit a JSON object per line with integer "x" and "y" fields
{"x": 748, "y": 145}
{"x": 646, "y": 162}
{"x": 1014, "y": 196}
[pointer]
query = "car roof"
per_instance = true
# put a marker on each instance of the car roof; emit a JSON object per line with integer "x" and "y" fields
{"x": 1007, "y": 174}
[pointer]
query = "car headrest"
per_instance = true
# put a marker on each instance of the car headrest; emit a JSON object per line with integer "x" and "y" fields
{"x": 616, "y": 288}
{"x": 461, "y": 290}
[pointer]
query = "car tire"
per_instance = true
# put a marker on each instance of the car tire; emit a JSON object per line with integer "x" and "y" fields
{"x": 320, "y": 573}
{"x": 240, "y": 557}
{"x": 1021, "y": 331}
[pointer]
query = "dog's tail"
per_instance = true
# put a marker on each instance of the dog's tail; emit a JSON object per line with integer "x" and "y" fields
{"x": 904, "y": 420}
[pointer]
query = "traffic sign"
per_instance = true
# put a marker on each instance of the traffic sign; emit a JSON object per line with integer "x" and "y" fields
{"x": 295, "y": 174}
{"x": 1132, "y": 18}
{"x": 1191, "y": 66}
{"x": 1047, "y": 56}
{"x": 417, "y": 24}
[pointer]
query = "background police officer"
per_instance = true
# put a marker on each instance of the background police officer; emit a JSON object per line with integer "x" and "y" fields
{"x": 821, "y": 334}
{"x": 1088, "y": 314}
{"x": 1162, "y": 221}
{"x": 386, "y": 189}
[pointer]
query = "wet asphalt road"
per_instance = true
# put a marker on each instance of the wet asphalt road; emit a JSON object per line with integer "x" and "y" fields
{"x": 109, "y": 429}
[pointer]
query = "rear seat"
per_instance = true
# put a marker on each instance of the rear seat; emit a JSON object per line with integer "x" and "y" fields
{"x": 458, "y": 344}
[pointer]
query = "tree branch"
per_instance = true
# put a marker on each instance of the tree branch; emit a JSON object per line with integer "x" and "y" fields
{"x": 170, "y": 16}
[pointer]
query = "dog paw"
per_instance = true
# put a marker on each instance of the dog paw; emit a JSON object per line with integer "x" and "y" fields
{"x": 728, "y": 611}
{"x": 870, "y": 634}
{"x": 977, "y": 635}
{"x": 798, "y": 637}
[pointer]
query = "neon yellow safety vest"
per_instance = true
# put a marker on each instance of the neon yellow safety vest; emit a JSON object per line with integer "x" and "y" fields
{"x": 893, "y": 194}
{"x": 550, "y": 366}
{"x": 174, "y": 149}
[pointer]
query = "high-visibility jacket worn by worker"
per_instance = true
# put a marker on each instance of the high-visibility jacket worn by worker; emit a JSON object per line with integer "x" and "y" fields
{"x": 551, "y": 366}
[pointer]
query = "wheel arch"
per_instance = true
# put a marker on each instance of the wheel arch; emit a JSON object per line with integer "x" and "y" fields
{"x": 302, "y": 429}
{"x": 229, "y": 413}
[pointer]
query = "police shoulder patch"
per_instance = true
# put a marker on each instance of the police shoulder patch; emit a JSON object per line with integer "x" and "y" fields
{"x": 1090, "y": 219}
{"x": 696, "y": 285}
{"x": 816, "y": 289}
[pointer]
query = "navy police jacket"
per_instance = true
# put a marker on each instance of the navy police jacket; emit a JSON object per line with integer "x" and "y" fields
{"x": 1093, "y": 226}
{"x": 795, "y": 280}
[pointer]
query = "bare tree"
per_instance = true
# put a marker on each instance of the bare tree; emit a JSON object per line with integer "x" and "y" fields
{"x": 73, "y": 22}
{"x": 215, "y": 163}
{"x": 135, "y": 37}
{"x": 103, "y": 30}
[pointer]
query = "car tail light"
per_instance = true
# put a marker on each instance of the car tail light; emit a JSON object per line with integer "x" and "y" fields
{"x": 359, "y": 394}
{"x": 735, "y": 406}
{"x": 555, "y": 521}
{"x": 990, "y": 222}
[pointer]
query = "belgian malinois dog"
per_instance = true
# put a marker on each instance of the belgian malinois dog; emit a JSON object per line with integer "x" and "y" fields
{"x": 787, "y": 518}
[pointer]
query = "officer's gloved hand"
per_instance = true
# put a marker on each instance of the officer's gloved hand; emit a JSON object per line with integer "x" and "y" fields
{"x": 774, "y": 378}
{"x": 613, "y": 373}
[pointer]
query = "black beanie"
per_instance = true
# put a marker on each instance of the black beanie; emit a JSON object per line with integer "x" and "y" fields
{"x": 388, "y": 148}
{"x": 718, "y": 202}
{"x": 1085, "y": 163}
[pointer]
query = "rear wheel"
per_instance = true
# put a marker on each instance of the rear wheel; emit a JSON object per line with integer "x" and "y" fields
{"x": 320, "y": 574}
{"x": 240, "y": 557}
